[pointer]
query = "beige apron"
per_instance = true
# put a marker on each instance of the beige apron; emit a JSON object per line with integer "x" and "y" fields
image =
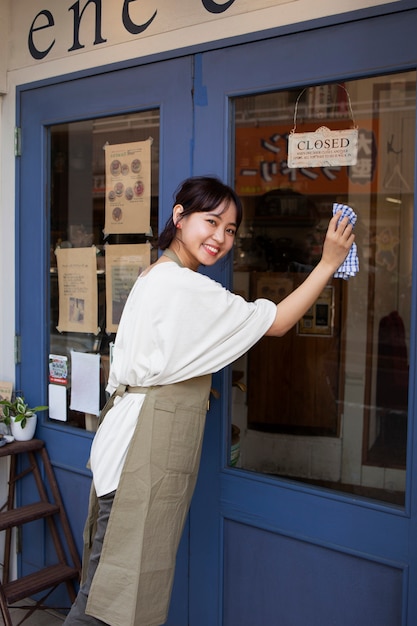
{"x": 133, "y": 582}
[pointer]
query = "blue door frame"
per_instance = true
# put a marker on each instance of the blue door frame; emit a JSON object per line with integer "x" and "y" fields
{"x": 361, "y": 556}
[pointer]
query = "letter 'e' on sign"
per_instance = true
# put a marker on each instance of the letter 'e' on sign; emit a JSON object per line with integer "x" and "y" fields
{"x": 323, "y": 148}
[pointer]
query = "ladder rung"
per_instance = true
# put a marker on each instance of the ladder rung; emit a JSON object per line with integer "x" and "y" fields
{"x": 18, "y": 447}
{"x": 27, "y": 513}
{"x": 38, "y": 581}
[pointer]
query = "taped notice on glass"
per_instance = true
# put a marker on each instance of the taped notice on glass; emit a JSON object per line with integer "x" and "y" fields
{"x": 323, "y": 148}
{"x": 128, "y": 187}
{"x": 78, "y": 292}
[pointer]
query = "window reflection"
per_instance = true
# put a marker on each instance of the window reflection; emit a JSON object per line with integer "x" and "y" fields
{"x": 328, "y": 403}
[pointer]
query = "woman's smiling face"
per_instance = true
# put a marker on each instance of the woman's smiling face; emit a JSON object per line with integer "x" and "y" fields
{"x": 203, "y": 238}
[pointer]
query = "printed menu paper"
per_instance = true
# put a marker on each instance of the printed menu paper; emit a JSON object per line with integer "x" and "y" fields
{"x": 124, "y": 263}
{"x": 128, "y": 188}
{"x": 77, "y": 284}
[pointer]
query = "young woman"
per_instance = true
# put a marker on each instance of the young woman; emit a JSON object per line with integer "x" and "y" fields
{"x": 177, "y": 328}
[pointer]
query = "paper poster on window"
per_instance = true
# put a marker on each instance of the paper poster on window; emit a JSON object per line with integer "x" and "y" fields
{"x": 77, "y": 285}
{"x": 57, "y": 402}
{"x": 85, "y": 382}
{"x": 58, "y": 369}
{"x": 128, "y": 188}
{"x": 124, "y": 263}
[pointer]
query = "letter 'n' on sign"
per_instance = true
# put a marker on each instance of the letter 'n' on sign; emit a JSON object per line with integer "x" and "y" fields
{"x": 323, "y": 148}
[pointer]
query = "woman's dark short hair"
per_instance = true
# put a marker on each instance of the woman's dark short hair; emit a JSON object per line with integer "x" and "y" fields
{"x": 199, "y": 194}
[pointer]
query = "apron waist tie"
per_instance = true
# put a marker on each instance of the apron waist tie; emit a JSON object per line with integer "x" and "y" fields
{"x": 122, "y": 389}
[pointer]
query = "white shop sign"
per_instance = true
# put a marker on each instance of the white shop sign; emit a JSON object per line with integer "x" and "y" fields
{"x": 323, "y": 148}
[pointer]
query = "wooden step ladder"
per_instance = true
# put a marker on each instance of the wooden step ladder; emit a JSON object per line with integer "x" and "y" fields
{"x": 50, "y": 508}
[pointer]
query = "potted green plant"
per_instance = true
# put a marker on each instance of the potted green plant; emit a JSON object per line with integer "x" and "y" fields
{"x": 20, "y": 417}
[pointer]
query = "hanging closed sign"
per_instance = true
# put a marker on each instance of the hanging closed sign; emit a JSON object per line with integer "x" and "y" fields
{"x": 323, "y": 148}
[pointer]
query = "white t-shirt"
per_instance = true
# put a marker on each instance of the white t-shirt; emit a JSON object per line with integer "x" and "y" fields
{"x": 177, "y": 324}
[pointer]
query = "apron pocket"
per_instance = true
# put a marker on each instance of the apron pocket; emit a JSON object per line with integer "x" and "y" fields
{"x": 177, "y": 437}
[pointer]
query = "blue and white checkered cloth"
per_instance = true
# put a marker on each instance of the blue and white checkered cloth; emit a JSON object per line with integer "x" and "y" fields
{"x": 350, "y": 266}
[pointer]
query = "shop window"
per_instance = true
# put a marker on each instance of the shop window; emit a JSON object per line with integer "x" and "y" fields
{"x": 80, "y": 202}
{"x": 328, "y": 403}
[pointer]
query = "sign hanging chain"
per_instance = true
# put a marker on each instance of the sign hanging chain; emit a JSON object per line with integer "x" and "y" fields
{"x": 354, "y": 126}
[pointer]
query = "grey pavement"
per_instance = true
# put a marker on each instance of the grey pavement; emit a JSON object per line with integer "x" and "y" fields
{"x": 40, "y": 617}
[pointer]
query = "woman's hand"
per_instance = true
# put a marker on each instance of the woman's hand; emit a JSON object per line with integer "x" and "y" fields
{"x": 338, "y": 241}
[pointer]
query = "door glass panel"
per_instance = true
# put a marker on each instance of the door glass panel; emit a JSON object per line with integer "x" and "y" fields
{"x": 77, "y": 220}
{"x": 328, "y": 403}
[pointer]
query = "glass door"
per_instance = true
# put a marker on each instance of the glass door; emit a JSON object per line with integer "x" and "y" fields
{"x": 64, "y": 201}
{"x": 315, "y": 459}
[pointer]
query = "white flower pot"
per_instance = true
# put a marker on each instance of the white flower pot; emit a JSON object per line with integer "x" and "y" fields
{"x": 26, "y": 433}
